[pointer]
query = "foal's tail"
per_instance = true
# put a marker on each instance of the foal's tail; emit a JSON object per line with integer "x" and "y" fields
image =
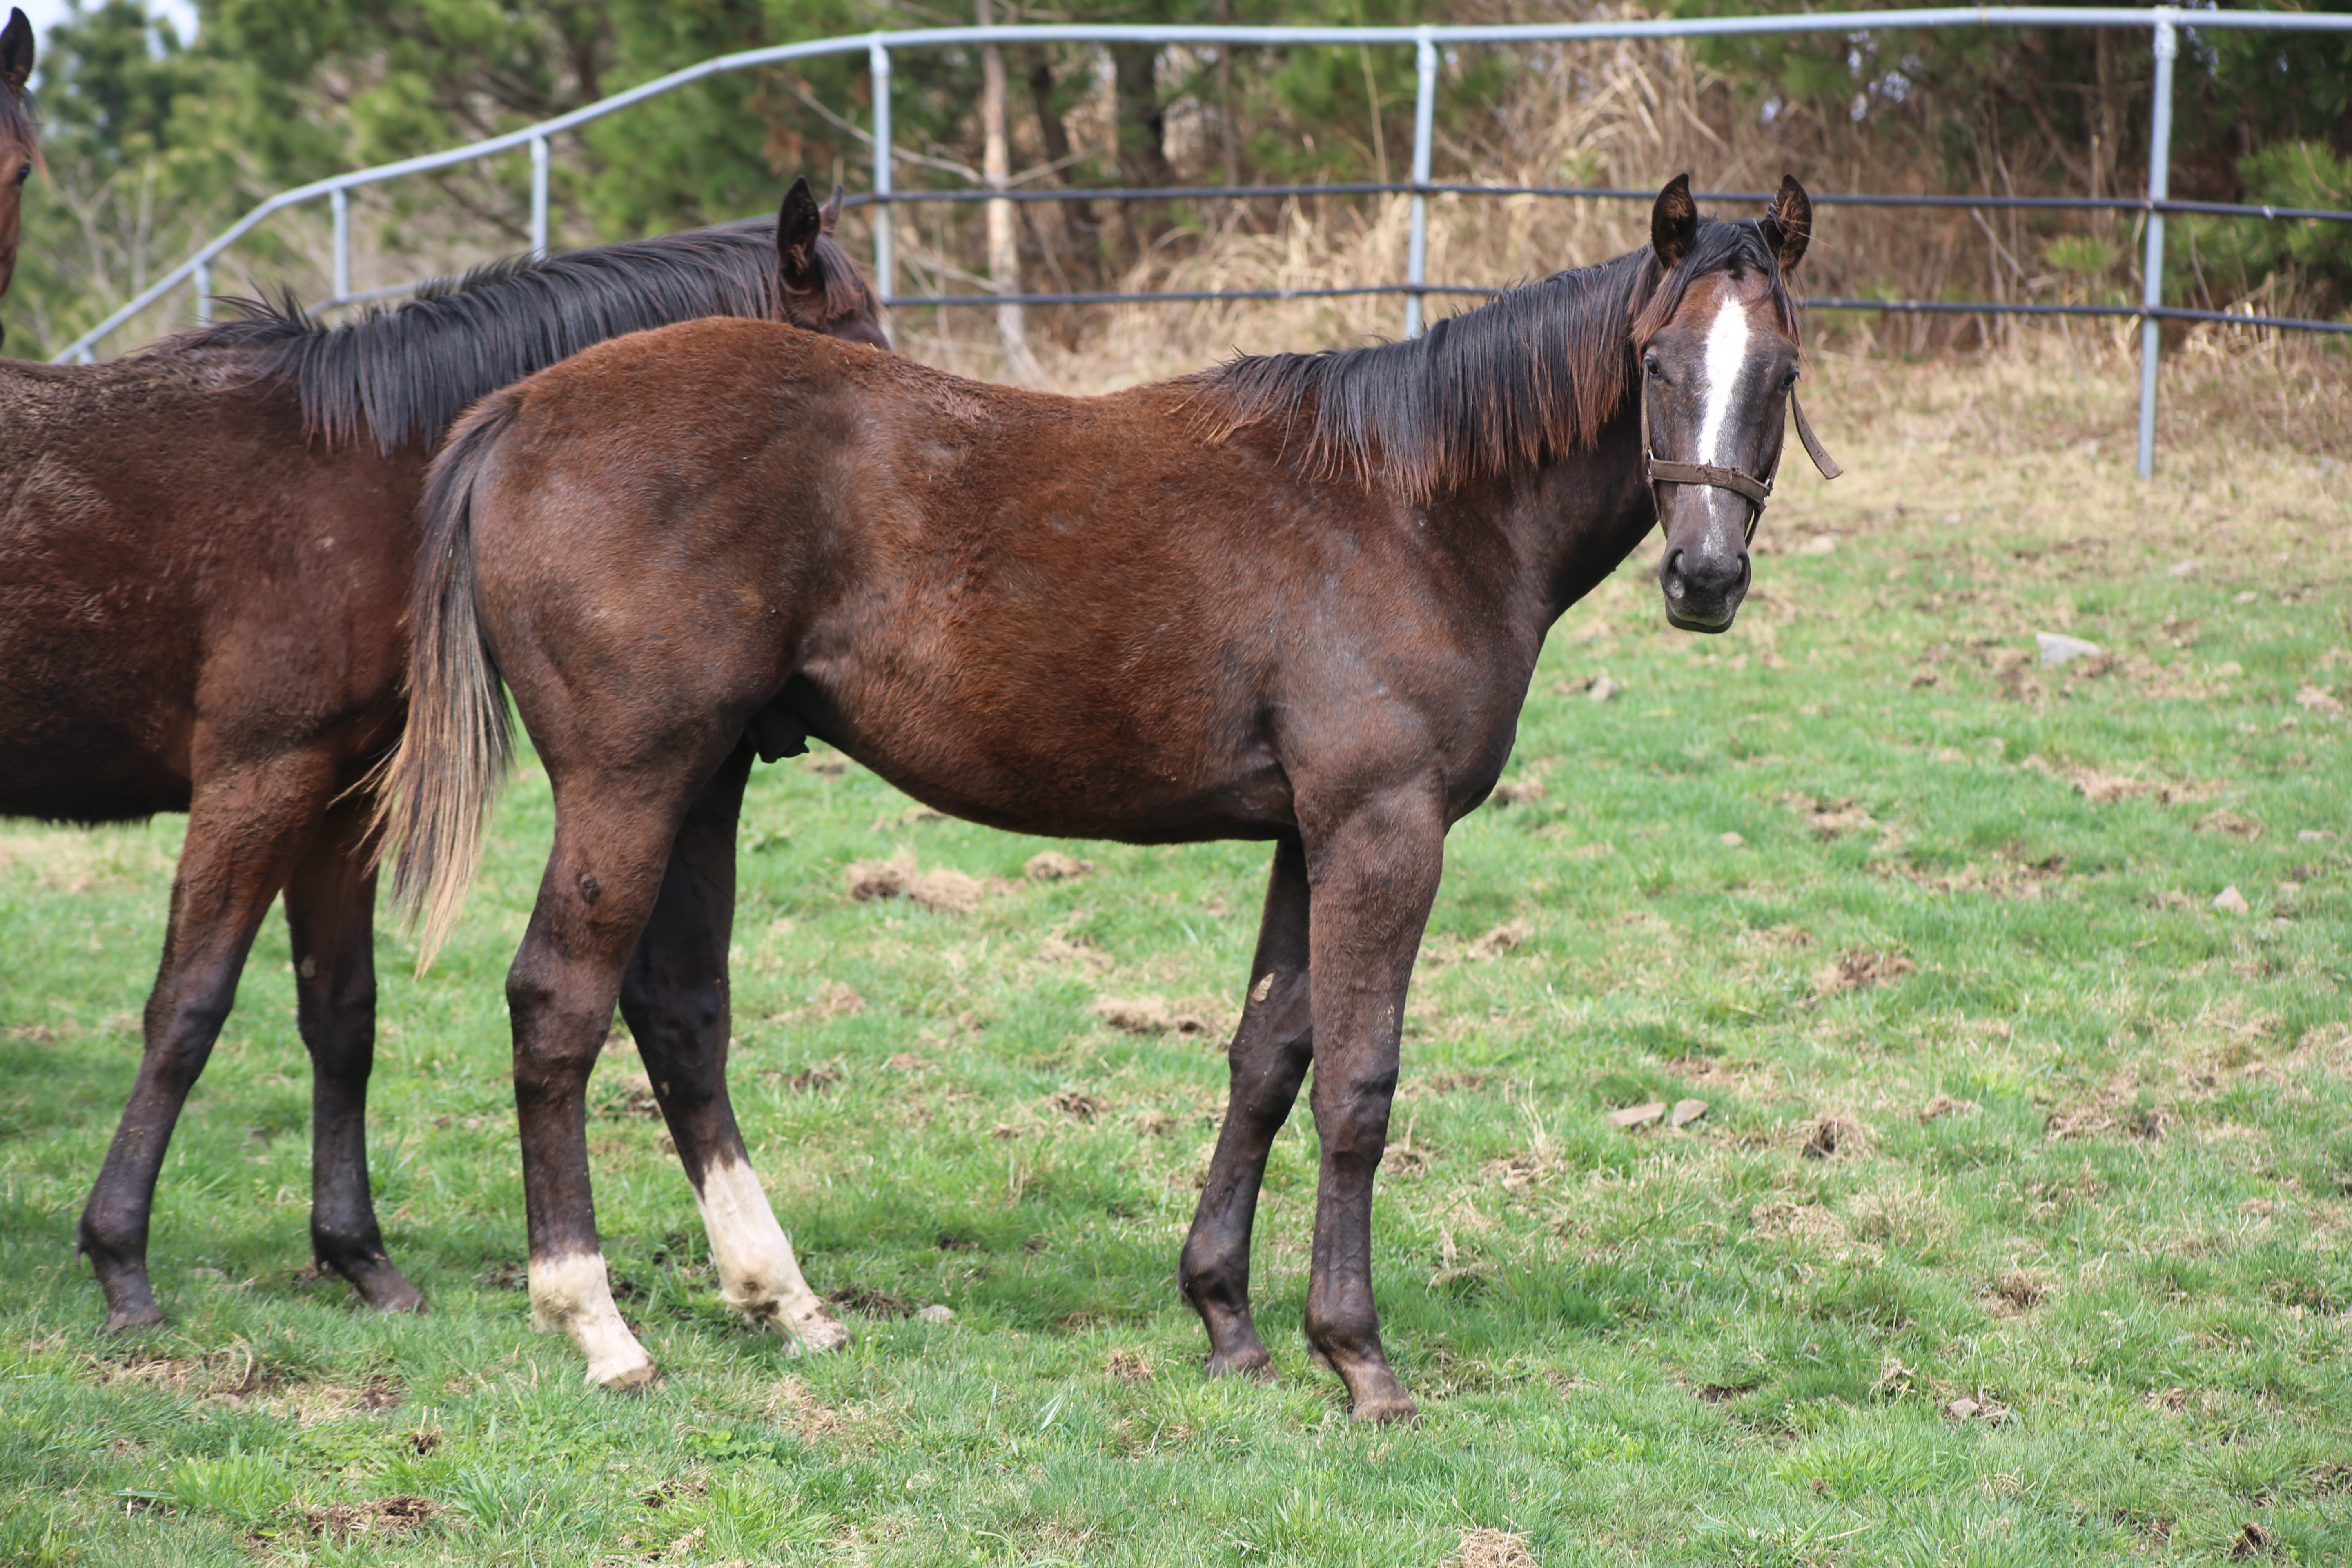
{"x": 435, "y": 791}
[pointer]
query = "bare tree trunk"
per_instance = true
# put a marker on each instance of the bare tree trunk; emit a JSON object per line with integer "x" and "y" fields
{"x": 1141, "y": 123}
{"x": 1004, "y": 238}
{"x": 2106, "y": 127}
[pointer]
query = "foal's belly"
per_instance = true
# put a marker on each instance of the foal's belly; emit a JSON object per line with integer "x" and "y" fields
{"x": 1064, "y": 763}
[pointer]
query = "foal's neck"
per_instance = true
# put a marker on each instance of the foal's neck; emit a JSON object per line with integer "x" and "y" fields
{"x": 1574, "y": 520}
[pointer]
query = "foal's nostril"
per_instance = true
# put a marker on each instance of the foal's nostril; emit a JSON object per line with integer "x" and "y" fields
{"x": 1671, "y": 574}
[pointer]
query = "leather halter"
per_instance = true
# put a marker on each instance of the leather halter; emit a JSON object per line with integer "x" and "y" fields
{"x": 1657, "y": 471}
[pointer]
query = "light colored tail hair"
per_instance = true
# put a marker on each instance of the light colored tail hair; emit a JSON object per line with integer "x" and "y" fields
{"x": 434, "y": 793}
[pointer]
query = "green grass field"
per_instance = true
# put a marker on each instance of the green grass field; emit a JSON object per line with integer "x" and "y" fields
{"x": 2014, "y": 1230}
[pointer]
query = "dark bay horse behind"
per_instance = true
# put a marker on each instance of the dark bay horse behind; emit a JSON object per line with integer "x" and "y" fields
{"x": 206, "y": 552}
{"x": 20, "y": 144}
{"x": 1295, "y": 598}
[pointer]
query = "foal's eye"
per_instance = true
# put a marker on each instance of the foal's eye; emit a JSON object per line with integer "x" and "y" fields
{"x": 1650, "y": 363}
{"x": 1788, "y": 380}
{"x": 24, "y": 174}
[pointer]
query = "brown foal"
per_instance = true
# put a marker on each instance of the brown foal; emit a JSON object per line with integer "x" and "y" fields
{"x": 205, "y": 550}
{"x": 1295, "y": 598}
{"x": 20, "y": 144}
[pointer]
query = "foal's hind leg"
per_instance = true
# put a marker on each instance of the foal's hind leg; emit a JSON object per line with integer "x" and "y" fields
{"x": 675, "y": 997}
{"x": 1268, "y": 1059}
{"x": 615, "y": 823}
{"x": 330, "y": 913}
{"x": 245, "y": 831}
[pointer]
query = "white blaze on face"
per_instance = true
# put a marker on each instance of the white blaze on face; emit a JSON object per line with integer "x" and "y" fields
{"x": 571, "y": 1293}
{"x": 758, "y": 1275}
{"x": 1727, "y": 356}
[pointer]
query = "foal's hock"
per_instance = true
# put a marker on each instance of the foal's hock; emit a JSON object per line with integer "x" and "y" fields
{"x": 1295, "y": 598}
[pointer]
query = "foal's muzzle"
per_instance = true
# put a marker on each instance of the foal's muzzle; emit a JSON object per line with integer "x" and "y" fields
{"x": 1703, "y": 585}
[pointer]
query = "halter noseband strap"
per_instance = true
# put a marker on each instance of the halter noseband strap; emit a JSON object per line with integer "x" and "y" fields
{"x": 1658, "y": 471}
{"x": 1738, "y": 481}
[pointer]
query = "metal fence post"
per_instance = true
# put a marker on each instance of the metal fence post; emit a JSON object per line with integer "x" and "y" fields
{"x": 885, "y": 256}
{"x": 538, "y": 197}
{"x": 2159, "y": 180}
{"x": 203, "y": 281}
{"x": 342, "y": 207}
{"x": 1424, "y": 115}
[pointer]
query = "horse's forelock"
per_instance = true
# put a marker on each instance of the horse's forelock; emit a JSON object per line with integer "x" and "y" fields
{"x": 1719, "y": 247}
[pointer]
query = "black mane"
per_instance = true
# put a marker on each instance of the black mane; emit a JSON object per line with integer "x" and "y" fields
{"x": 403, "y": 375}
{"x": 1538, "y": 371}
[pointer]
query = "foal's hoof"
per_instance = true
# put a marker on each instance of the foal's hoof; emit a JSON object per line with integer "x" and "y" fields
{"x": 816, "y": 1334}
{"x": 627, "y": 1377}
{"x": 1251, "y": 1361}
{"x": 384, "y": 1288}
{"x": 124, "y": 1319}
{"x": 1385, "y": 1409}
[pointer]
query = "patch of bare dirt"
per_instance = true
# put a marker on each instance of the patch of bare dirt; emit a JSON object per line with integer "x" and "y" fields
{"x": 1833, "y": 1136}
{"x": 2101, "y": 788}
{"x": 1858, "y": 970}
{"x": 1829, "y": 817}
{"x": 380, "y": 1518}
{"x": 1484, "y": 1548}
{"x": 1052, "y": 865}
{"x": 1499, "y": 940}
{"x": 1147, "y": 1015}
{"x": 1781, "y": 1217}
{"x": 2017, "y": 1292}
{"x": 942, "y": 889}
{"x": 1076, "y": 952}
{"x": 230, "y": 1376}
{"x": 1075, "y": 1105}
{"x": 1127, "y": 1365}
{"x": 808, "y": 1080}
{"x": 872, "y": 1303}
{"x": 1945, "y": 1105}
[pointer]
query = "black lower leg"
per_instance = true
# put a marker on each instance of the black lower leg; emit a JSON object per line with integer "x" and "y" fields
{"x": 1269, "y": 1057}
{"x": 329, "y": 904}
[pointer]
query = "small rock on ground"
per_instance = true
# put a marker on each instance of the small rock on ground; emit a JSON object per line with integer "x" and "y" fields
{"x": 2230, "y": 901}
{"x": 2057, "y": 648}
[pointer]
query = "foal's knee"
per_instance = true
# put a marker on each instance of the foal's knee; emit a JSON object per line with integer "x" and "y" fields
{"x": 1351, "y": 1117}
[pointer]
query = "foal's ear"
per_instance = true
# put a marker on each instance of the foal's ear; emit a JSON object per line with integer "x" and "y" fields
{"x": 17, "y": 52}
{"x": 829, "y": 214}
{"x": 1789, "y": 225}
{"x": 1674, "y": 222}
{"x": 798, "y": 225}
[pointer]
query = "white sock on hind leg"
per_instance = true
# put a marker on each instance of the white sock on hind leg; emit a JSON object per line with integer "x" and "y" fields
{"x": 757, "y": 1274}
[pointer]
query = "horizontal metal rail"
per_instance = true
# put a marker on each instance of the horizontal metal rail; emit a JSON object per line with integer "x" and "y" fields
{"x": 876, "y": 47}
{"x": 1597, "y": 192}
{"x": 1341, "y": 291}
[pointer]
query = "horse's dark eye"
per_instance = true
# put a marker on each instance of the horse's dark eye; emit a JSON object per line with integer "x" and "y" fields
{"x": 1650, "y": 363}
{"x": 24, "y": 174}
{"x": 1788, "y": 380}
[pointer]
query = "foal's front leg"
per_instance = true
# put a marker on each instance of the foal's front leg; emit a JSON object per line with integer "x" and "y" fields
{"x": 675, "y": 997}
{"x": 1372, "y": 869}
